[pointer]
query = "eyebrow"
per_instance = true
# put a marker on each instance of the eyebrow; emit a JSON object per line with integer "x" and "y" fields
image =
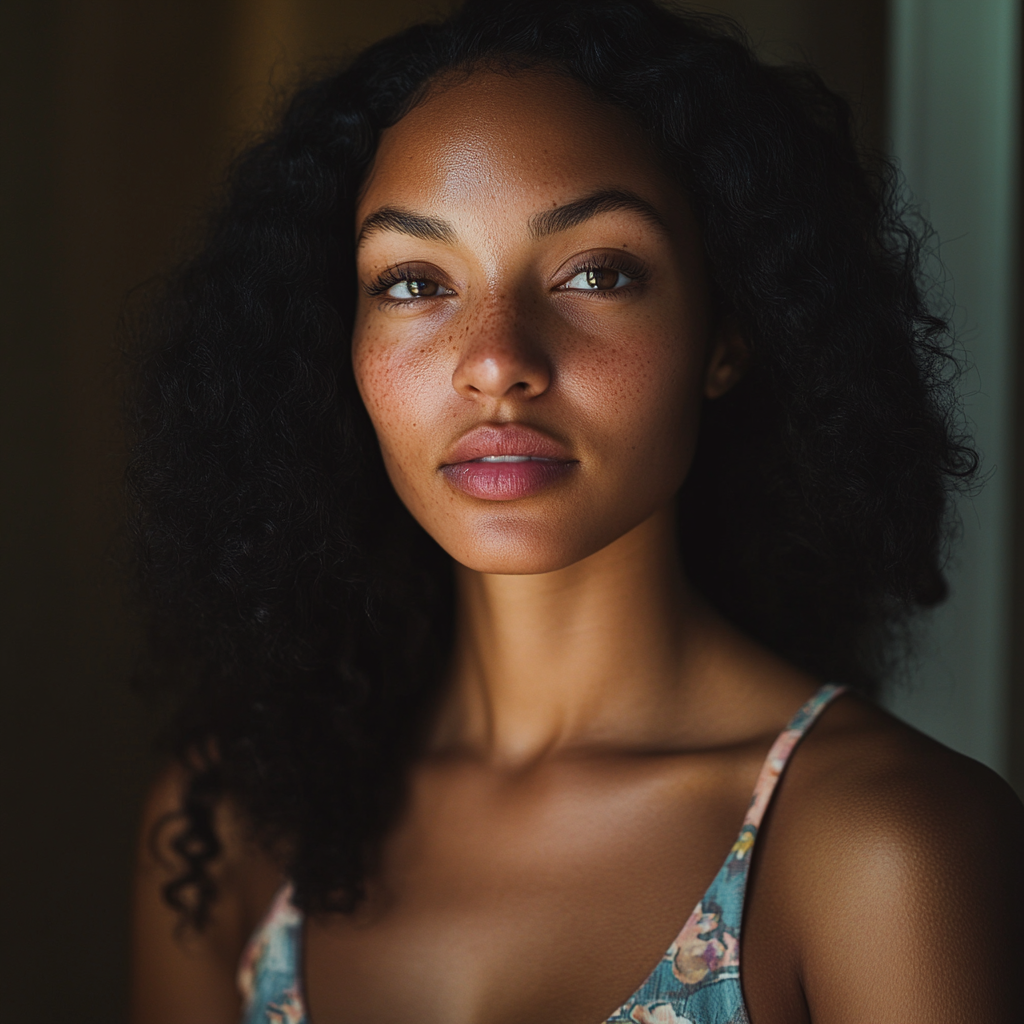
{"x": 606, "y": 200}
{"x": 549, "y": 222}
{"x": 393, "y": 218}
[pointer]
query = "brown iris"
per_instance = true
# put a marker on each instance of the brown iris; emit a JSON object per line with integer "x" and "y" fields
{"x": 421, "y": 288}
{"x": 602, "y": 278}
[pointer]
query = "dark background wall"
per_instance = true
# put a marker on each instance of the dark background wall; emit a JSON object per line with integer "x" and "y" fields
{"x": 118, "y": 117}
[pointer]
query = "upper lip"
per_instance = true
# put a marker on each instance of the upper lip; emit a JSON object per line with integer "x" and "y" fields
{"x": 505, "y": 439}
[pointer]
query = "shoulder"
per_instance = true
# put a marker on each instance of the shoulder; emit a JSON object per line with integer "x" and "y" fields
{"x": 896, "y": 857}
{"x": 180, "y": 973}
{"x": 863, "y": 778}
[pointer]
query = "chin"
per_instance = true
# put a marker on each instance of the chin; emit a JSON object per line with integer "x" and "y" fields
{"x": 512, "y": 549}
{"x": 504, "y": 545}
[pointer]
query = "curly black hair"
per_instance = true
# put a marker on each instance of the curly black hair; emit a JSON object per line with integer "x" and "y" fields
{"x": 305, "y": 619}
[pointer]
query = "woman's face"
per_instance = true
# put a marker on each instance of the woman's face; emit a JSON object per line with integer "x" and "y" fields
{"x": 533, "y": 336}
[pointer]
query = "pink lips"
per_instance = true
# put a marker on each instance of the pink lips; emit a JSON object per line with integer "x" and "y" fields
{"x": 502, "y": 463}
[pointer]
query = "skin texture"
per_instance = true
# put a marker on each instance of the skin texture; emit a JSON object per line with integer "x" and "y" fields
{"x": 602, "y": 729}
{"x": 617, "y": 376}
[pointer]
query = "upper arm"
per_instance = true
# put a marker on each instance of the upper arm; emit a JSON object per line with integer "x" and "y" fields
{"x": 181, "y": 976}
{"x": 914, "y": 908}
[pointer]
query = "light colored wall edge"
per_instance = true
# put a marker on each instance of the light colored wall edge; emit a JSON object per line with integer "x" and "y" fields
{"x": 954, "y": 70}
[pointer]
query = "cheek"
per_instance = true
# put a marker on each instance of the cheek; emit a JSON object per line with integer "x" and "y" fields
{"x": 401, "y": 387}
{"x": 643, "y": 395}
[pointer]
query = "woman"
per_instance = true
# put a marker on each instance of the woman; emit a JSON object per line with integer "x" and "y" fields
{"x": 549, "y": 430}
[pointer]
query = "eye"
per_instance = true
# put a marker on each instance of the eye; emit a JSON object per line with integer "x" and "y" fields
{"x": 416, "y": 288}
{"x": 598, "y": 279}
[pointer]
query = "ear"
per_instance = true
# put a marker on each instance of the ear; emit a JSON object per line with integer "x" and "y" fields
{"x": 728, "y": 358}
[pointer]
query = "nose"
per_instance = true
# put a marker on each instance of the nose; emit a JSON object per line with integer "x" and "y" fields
{"x": 500, "y": 360}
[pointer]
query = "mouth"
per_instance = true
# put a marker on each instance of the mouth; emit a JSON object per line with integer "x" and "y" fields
{"x": 512, "y": 458}
{"x": 506, "y": 462}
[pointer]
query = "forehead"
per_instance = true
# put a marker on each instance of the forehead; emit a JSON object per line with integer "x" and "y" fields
{"x": 534, "y": 138}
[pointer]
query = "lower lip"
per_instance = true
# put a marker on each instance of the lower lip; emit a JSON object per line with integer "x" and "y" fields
{"x": 506, "y": 481}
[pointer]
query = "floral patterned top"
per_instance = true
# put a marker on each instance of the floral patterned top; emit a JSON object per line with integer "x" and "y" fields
{"x": 697, "y": 981}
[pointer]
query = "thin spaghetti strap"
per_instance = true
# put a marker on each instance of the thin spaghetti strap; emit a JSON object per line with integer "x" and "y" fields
{"x": 782, "y": 749}
{"x": 698, "y": 979}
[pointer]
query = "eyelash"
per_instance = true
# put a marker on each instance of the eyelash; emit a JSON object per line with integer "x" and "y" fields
{"x": 391, "y": 277}
{"x": 634, "y": 271}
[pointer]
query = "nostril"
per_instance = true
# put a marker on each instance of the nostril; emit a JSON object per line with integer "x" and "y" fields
{"x": 495, "y": 368}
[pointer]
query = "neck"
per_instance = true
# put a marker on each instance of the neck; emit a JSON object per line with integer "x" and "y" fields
{"x": 593, "y": 654}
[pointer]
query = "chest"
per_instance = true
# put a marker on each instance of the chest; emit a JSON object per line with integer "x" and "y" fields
{"x": 500, "y": 902}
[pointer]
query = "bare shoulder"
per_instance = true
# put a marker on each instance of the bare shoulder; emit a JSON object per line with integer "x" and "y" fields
{"x": 867, "y": 774}
{"x": 180, "y": 972}
{"x": 890, "y": 863}
{"x": 865, "y": 778}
